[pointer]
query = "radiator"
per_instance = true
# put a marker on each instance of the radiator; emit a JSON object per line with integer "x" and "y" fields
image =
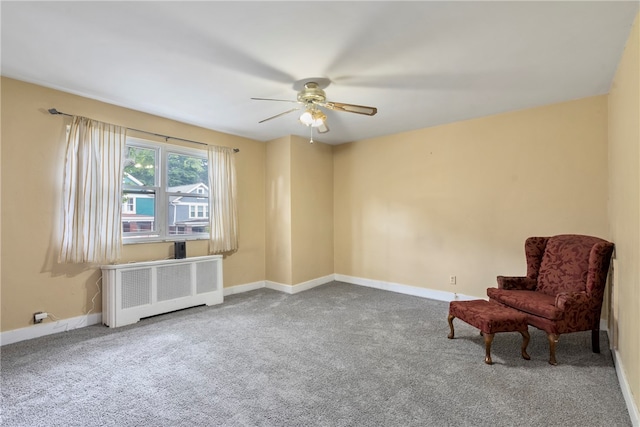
{"x": 133, "y": 291}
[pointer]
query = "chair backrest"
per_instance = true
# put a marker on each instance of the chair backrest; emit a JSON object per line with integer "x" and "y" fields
{"x": 564, "y": 266}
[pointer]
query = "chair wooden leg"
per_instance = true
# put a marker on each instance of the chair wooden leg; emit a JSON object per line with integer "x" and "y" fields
{"x": 595, "y": 340}
{"x": 450, "y": 320}
{"x": 525, "y": 342}
{"x": 553, "y": 339}
{"x": 488, "y": 339}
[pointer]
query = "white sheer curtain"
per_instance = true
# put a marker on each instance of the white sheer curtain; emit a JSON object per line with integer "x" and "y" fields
{"x": 92, "y": 204}
{"x": 223, "y": 215}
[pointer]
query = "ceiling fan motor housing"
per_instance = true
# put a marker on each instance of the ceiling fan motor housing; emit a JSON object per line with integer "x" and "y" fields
{"x": 311, "y": 94}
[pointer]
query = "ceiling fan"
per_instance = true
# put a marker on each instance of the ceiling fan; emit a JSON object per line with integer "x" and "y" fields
{"x": 311, "y": 97}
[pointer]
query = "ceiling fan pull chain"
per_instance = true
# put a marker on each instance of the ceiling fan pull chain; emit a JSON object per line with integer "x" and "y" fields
{"x": 311, "y": 135}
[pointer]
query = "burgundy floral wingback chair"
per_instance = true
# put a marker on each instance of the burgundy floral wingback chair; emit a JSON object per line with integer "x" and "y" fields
{"x": 564, "y": 287}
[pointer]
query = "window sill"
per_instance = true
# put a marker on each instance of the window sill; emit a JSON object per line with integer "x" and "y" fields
{"x": 140, "y": 240}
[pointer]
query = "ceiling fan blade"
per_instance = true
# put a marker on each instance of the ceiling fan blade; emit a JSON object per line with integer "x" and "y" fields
{"x": 350, "y": 108}
{"x": 271, "y": 99}
{"x": 278, "y": 115}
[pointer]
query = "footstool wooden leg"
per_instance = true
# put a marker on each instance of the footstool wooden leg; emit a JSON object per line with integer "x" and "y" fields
{"x": 525, "y": 342}
{"x": 450, "y": 319}
{"x": 553, "y": 339}
{"x": 488, "y": 339}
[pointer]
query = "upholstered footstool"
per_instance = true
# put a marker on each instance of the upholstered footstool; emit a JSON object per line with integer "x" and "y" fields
{"x": 490, "y": 318}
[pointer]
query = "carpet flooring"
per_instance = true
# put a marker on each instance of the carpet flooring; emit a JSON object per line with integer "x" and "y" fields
{"x": 335, "y": 355}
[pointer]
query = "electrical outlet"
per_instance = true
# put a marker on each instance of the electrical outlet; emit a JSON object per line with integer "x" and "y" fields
{"x": 39, "y": 317}
{"x": 452, "y": 280}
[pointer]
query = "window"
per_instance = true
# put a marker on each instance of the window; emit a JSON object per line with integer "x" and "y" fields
{"x": 165, "y": 192}
{"x": 129, "y": 205}
{"x": 199, "y": 211}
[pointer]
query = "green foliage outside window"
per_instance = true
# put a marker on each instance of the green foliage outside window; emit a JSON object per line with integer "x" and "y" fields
{"x": 182, "y": 169}
{"x": 140, "y": 163}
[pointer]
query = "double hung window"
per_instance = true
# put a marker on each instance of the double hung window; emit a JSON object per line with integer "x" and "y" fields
{"x": 165, "y": 192}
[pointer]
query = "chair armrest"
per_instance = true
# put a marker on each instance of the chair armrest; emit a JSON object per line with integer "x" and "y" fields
{"x": 517, "y": 283}
{"x": 567, "y": 301}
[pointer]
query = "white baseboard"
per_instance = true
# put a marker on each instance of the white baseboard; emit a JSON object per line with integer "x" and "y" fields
{"x": 300, "y": 287}
{"x": 405, "y": 289}
{"x": 238, "y": 289}
{"x": 49, "y": 328}
{"x": 626, "y": 390}
{"x": 377, "y": 284}
{"x": 287, "y": 289}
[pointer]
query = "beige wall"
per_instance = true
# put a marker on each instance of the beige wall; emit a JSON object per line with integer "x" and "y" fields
{"x": 460, "y": 199}
{"x": 32, "y": 157}
{"x": 312, "y": 208}
{"x": 624, "y": 208}
{"x": 299, "y": 188}
{"x": 278, "y": 208}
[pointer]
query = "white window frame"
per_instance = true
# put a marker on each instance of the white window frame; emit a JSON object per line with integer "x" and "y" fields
{"x": 162, "y": 195}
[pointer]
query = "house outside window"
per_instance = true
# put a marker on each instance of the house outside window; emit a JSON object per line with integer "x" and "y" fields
{"x": 160, "y": 184}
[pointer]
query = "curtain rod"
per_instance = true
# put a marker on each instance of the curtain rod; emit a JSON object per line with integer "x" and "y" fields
{"x": 166, "y": 137}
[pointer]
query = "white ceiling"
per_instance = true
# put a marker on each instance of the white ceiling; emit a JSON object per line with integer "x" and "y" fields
{"x": 420, "y": 63}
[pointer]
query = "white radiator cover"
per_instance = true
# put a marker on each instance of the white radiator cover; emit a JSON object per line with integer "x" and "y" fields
{"x": 142, "y": 289}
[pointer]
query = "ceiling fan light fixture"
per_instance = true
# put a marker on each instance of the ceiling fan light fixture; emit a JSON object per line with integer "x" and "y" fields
{"x": 313, "y": 118}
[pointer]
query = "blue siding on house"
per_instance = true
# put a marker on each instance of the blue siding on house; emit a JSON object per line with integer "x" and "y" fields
{"x": 145, "y": 206}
